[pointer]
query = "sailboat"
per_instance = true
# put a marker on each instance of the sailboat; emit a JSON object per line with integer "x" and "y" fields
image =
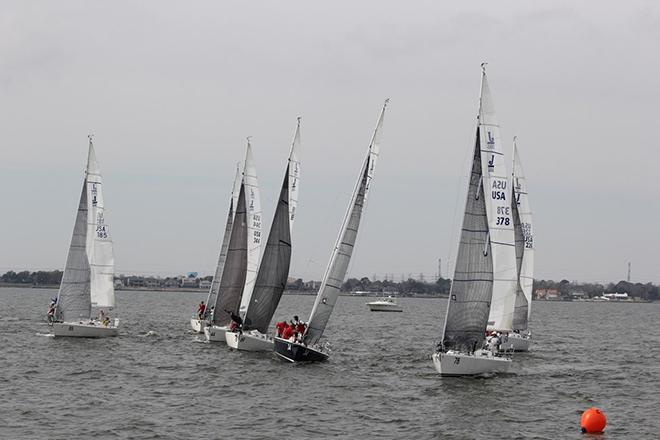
{"x": 243, "y": 251}
{"x": 274, "y": 267}
{"x": 88, "y": 280}
{"x": 521, "y": 338}
{"x": 307, "y": 349}
{"x": 484, "y": 286}
{"x": 196, "y": 323}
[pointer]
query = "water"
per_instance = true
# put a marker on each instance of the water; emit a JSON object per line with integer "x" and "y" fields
{"x": 159, "y": 381}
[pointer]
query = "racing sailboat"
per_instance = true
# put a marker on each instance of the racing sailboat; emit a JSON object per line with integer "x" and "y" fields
{"x": 306, "y": 348}
{"x": 88, "y": 281}
{"x": 521, "y": 338}
{"x": 484, "y": 286}
{"x": 244, "y": 247}
{"x": 274, "y": 267}
{"x": 198, "y": 324}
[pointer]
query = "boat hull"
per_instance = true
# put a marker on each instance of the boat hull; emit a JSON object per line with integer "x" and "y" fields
{"x": 462, "y": 364}
{"x": 85, "y": 330}
{"x": 198, "y": 325}
{"x": 295, "y": 352}
{"x": 516, "y": 342}
{"x": 213, "y": 333}
{"x": 380, "y": 307}
{"x": 249, "y": 341}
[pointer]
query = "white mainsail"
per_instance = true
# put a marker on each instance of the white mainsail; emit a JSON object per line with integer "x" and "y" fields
{"x": 343, "y": 250}
{"x": 253, "y": 207}
{"x": 495, "y": 183}
{"x": 523, "y": 211}
{"x": 294, "y": 175}
{"x": 222, "y": 258}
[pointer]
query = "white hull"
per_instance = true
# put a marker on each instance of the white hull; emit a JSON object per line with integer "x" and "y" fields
{"x": 250, "y": 341}
{"x": 516, "y": 342}
{"x": 384, "y": 306}
{"x": 455, "y": 363}
{"x": 90, "y": 329}
{"x": 214, "y": 333}
{"x": 198, "y": 325}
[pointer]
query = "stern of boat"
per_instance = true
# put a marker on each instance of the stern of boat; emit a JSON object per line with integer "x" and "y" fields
{"x": 295, "y": 352}
{"x": 453, "y": 363}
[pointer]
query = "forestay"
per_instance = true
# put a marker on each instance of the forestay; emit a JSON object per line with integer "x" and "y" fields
{"x": 274, "y": 267}
{"x": 235, "y": 267}
{"x": 99, "y": 242}
{"x": 341, "y": 254}
{"x": 222, "y": 258}
{"x": 522, "y": 215}
{"x": 253, "y": 207}
{"x": 495, "y": 183}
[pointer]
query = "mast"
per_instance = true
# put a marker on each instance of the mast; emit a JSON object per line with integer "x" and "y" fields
{"x": 253, "y": 218}
{"x": 524, "y": 239}
{"x": 222, "y": 258}
{"x": 343, "y": 250}
{"x": 274, "y": 268}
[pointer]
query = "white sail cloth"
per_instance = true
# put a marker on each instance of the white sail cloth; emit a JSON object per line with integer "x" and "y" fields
{"x": 343, "y": 250}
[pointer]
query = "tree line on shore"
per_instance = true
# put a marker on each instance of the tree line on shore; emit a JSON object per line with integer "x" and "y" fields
{"x": 566, "y": 289}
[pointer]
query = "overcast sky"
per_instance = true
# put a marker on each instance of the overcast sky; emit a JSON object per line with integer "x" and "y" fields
{"x": 171, "y": 90}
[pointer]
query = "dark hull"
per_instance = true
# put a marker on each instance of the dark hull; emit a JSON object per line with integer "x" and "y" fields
{"x": 294, "y": 352}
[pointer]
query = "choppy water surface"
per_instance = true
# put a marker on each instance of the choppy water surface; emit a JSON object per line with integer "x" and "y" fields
{"x": 159, "y": 381}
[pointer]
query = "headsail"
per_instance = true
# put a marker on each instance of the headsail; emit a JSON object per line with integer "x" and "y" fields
{"x": 235, "y": 267}
{"x": 498, "y": 210}
{"x": 253, "y": 208}
{"x": 215, "y": 285}
{"x": 274, "y": 267}
{"x": 522, "y": 216}
{"x": 341, "y": 254}
{"x": 99, "y": 242}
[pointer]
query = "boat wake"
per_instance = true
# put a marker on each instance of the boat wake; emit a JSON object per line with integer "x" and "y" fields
{"x": 48, "y": 335}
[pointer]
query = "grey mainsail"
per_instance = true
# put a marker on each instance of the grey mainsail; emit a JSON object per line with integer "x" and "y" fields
{"x": 73, "y": 299}
{"x": 235, "y": 267}
{"x": 472, "y": 286}
{"x": 274, "y": 268}
{"x": 341, "y": 254}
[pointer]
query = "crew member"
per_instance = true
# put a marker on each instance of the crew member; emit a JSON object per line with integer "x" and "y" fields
{"x": 200, "y": 310}
{"x": 279, "y": 328}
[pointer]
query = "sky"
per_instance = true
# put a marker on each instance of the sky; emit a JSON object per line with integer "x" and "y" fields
{"x": 171, "y": 90}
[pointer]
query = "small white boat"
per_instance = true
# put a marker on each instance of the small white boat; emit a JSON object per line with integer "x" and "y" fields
{"x": 198, "y": 325}
{"x": 87, "y": 285}
{"x": 384, "y": 305}
{"x": 86, "y": 329}
{"x": 517, "y": 342}
{"x": 455, "y": 363}
{"x": 252, "y": 340}
{"x": 214, "y": 333}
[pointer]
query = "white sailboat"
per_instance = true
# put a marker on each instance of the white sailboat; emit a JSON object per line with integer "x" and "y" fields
{"x": 308, "y": 350}
{"x": 521, "y": 338}
{"x": 484, "y": 285}
{"x": 88, "y": 281}
{"x": 274, "y": 267}
{"x": 384, "y": 304}
{"x": 196, "y": 323}
{"x": 243, "y": 252}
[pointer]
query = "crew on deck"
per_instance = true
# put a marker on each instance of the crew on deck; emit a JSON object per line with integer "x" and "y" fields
{"x": 200, "y": 310}
{"x": 236, "y": 322}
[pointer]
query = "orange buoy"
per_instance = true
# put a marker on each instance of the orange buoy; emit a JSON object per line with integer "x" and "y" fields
{"x": 593, "y": 421}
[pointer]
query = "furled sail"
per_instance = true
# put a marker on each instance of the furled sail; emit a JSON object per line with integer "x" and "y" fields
{"x": 253, "y": 208}
{"x": 235, "y": 267}
{"x": 498, "y": 210}
{"x": 73, "y": 300}
{"x": 274, "y": 268}
{"x": 99, "y": 242}
{"x": 215, "y": 285}
{"x": 522, "y": 216}
{"x": 341, "y": 254}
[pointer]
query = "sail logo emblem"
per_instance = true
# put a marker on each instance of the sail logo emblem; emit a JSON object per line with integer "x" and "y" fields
{"x": 491, "y": 163}
{"x": 491, "y": 140}
{"x": 94, "y": 192}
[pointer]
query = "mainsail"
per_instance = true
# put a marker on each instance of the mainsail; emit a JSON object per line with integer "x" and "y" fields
{"x": 235, "y": 267}
{"x": 522, "y": 220}
{"x": 498, "y": 210}
{"x": 253, "y": 208}
{"x": 215, "y": 285}
{"x": 274, "y": 268}
{"x": 341, "y": 254}
{"x": 88, "y": 278}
